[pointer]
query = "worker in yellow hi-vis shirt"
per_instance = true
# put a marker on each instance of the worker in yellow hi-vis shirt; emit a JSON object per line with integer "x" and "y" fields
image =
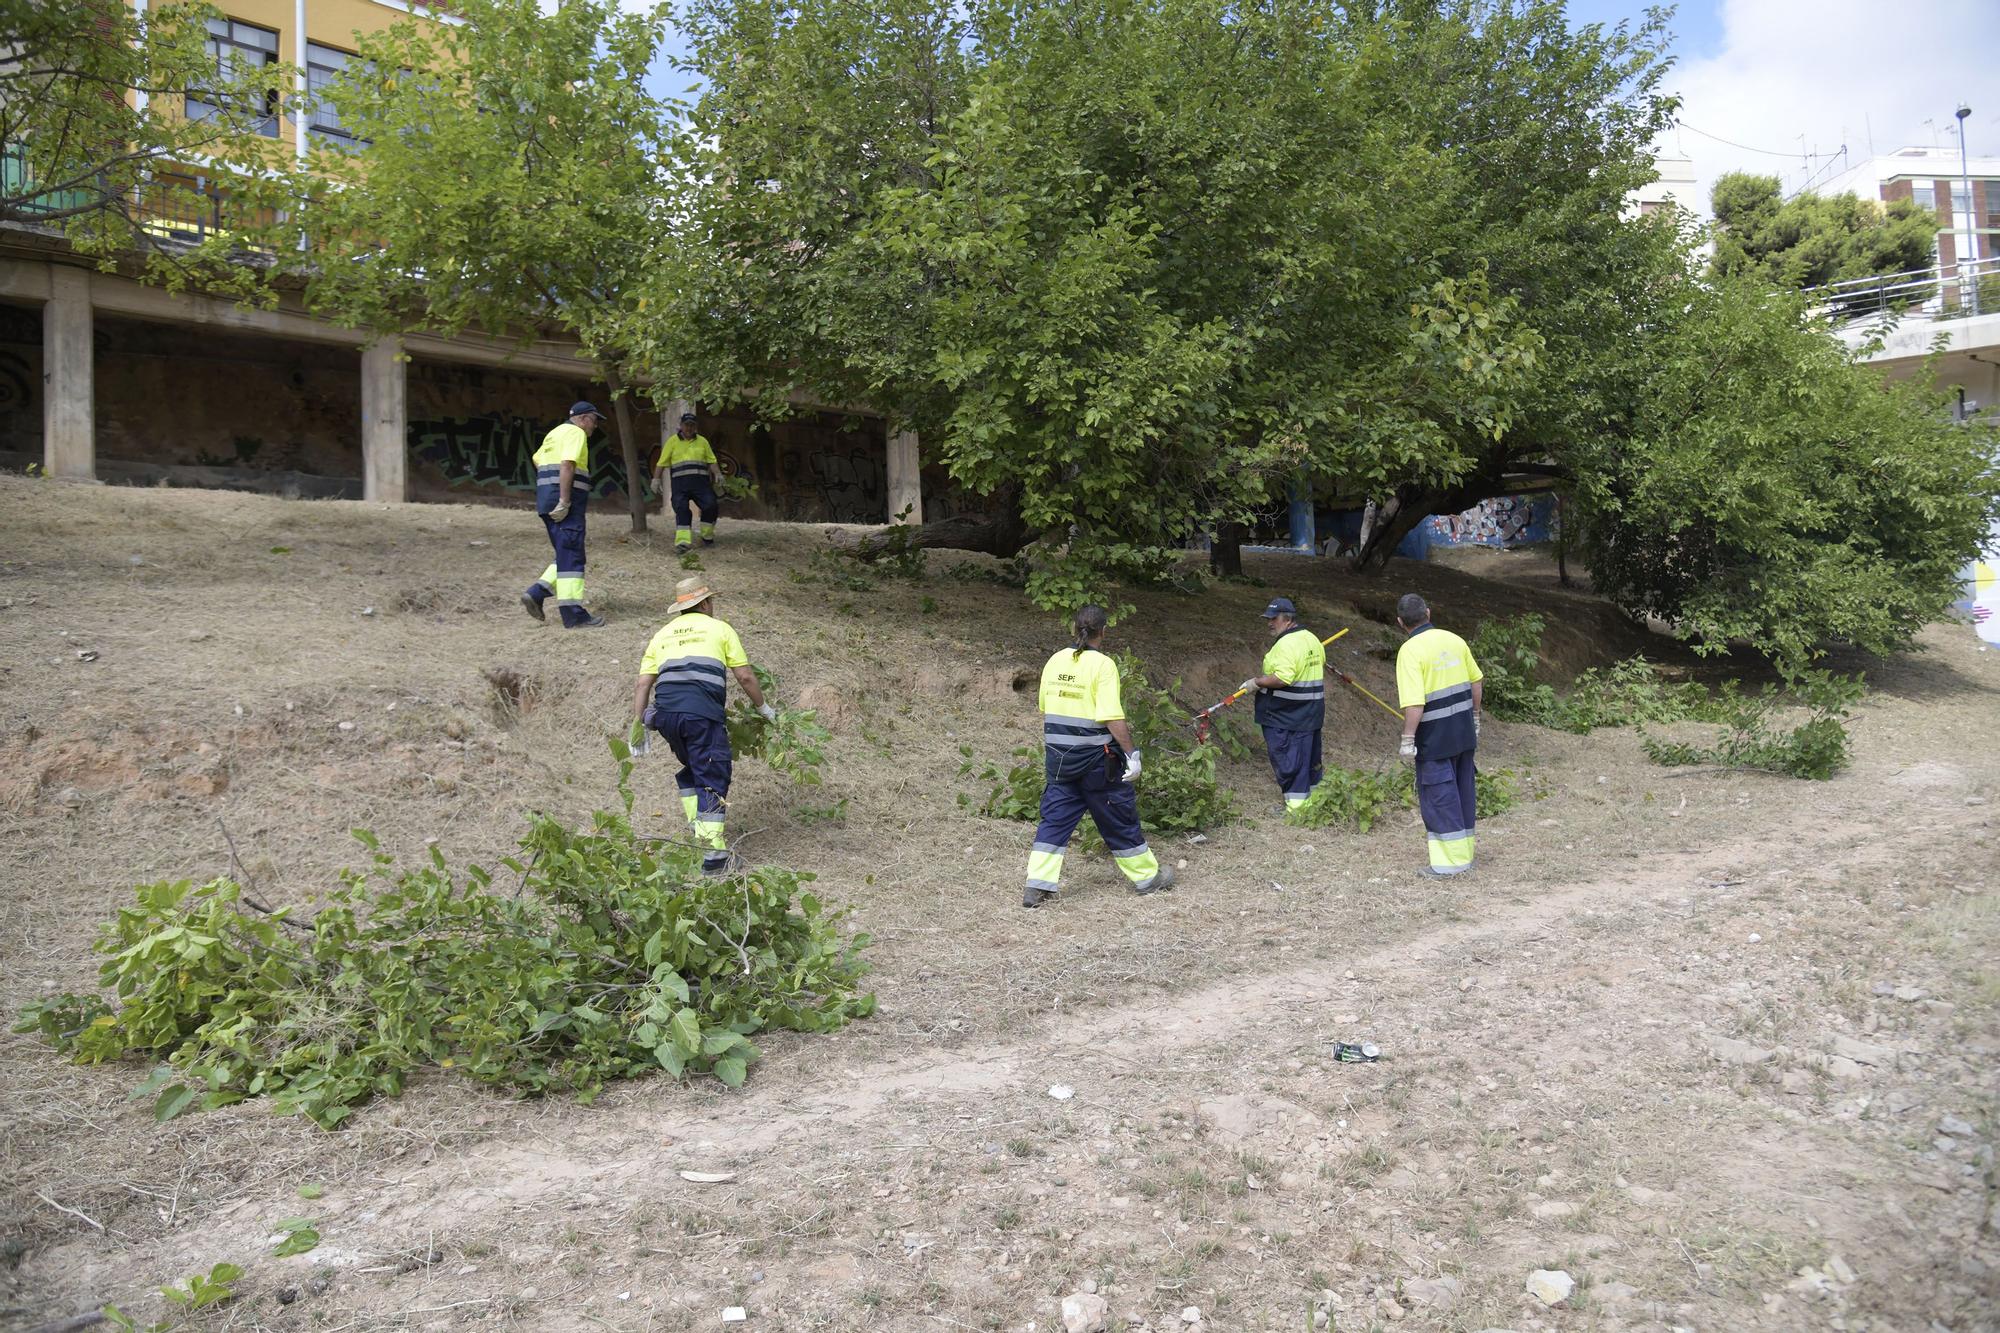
{"x": 1438, "y": 686}
{"x": 1089, "y": 763}
{"x": 562, "y": 491}
{"x": 683, "y": 683}
{"x": 687, "y": 463}
{"x": 1291, "y": 702}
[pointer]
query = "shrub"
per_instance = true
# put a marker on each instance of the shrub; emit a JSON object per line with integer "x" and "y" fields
{"x": 612, "y": 958}
{"x": 791, "y": 744}
{"x": 1357, "y": 798}
{"x": 1816, "y": 748}
{"x": 1627, "y": 693}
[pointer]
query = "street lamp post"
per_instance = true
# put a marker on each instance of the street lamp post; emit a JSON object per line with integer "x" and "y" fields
{"x": 1970, "y": 250}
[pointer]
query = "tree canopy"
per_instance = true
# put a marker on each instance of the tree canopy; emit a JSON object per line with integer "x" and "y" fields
{"x": 1810, "y": 240}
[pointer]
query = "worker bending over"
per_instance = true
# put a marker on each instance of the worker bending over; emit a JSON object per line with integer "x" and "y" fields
{"x": 693, "y": 477}
{"x": 1291, "y": 702}
{"x": 683, "y": 683}
{"x": 1089, "y": 763}
{"x": 562, "y": 492}
{"x": 1438, "y": 686}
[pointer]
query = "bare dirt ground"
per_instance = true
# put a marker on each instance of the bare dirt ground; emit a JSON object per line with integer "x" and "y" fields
{"x": 1720, "y": 1046}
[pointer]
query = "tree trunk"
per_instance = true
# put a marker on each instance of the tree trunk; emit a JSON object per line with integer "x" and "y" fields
{"x": 999, "y": 534}
{"x": 1225, "y": 551}
{"x": 635, "y": 478}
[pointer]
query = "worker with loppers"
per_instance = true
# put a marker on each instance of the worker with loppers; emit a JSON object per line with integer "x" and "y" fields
{"x": 693, "y": 476}
{"x": 1438, "y": 686}
{"x": 683, "y": 684}
{"x": 562, "y": 491}
{"x": 1291, "y": 702}
{"x": 1089, "y": 763}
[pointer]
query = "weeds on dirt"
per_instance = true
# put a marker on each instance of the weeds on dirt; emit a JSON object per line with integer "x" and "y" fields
{"x": 613, "y": 958}
{"x": 201, "y": 1291}
{"x": 1816, "y": 748}
{"x": 1624, "y": 694}
{"x": 1177, "y": 787}
{"x": 1358, "y": 798}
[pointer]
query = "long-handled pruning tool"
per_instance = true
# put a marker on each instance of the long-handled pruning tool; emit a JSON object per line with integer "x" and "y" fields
{"x": 1205, "y": 718}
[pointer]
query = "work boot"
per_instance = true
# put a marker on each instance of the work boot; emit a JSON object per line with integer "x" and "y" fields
{"x": 1432, "y": 872}
{"x": 588, "y": 622}
{"x": 683, "y": 550}
{"x": 533, "y": 606}
{"x": 719, "y": 865}
{"x": 708, "y": 541}
{"x": 1034, "y": 897}
{"x": 1159, "y": 883}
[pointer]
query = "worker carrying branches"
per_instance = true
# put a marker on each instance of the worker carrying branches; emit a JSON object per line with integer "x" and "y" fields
{"x": 1291, "y": 701}
{"x": 1438, "y": 686}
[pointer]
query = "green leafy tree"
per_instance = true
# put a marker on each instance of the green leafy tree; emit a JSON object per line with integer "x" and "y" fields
{"x": 1811, "y": 240}
{"x": 508, "y": 183}
{"x": 98, "y": 135}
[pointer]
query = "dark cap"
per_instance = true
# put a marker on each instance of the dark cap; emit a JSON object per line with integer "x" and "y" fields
{"x": 578, "y": 409}
{"x": 1280, "y": 606}
{"x": 687, "y": 417}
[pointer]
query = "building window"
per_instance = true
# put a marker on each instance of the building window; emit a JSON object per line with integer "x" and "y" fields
{"x": 324, "y": 64}
{"x": 241, "y": 51}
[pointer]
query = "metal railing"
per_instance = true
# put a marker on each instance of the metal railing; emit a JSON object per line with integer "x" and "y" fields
{"x": 1942, "y": 291}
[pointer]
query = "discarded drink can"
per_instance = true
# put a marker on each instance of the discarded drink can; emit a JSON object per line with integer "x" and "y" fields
{"x": 1354, "y": 1053}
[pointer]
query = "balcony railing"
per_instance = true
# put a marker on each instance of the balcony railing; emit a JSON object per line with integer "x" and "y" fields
{"x": 1942, "y": 291}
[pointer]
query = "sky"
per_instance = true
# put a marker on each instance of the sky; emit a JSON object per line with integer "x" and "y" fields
{"x": 1800, "y": 89}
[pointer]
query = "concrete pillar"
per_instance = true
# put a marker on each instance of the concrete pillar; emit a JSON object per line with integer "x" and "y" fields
{"x": 69, "y": 420}
{"x": 1303, "y": 537}
{"x": 385, "y": 422}
{"x": 906, "y": 485}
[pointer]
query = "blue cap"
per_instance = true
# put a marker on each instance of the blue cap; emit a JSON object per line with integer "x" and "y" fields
{"x": 1280, "y": 606}
{"x": 578, "y": 409}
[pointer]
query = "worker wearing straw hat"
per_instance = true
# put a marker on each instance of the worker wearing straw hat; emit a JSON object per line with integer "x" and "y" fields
{"x": 683, "y": 684}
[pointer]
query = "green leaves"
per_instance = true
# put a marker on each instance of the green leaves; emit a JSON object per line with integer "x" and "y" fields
{"x": 298, "y": 1237}
{"x": 618, "y": 957}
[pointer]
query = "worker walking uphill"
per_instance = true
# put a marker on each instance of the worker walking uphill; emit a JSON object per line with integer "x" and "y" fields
{"x": 692, "y": 474}
{"x": 1291, "y": 702}
{"x": 1089, "y": 763}
{"x": 683, "y": 683}
{"x": 1438, "y": 686}
{"x": 562, "y": 491}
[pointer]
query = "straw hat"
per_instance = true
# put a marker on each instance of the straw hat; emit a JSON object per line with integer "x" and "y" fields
{"x": 690, "y": 592}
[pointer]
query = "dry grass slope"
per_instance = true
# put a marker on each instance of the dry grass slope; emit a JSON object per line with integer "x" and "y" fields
{"x": 1683, "y": 1036}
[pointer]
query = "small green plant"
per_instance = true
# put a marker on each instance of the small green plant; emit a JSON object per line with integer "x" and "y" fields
{"x": 737, "y": 487}
{"x": 834, "y": 814}
{"x": 691, "y": 561}
{"x": 1627, "y": 693}
{"x": 298, "y": 1237}
{"x": 1358, "y": 799}
{"x": 203, "y": 1290}
{"x": 613, "y": 958}
{"x": 1816, "y": 748}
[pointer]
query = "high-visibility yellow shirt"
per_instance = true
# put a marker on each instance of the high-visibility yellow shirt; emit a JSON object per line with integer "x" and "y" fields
{"x": 686, "y": 459}
{"x": 567, "y": 443}
{"x": 1079, "y": 695}
{"x": 1299, "y": 659}
{"x": 692, "y": 656}
{"x": 1435, "y": 668}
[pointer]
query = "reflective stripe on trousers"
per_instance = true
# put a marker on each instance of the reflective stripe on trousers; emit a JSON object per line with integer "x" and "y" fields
{"x": 1113, "y": 807}
{"x": 1447, "y": 798}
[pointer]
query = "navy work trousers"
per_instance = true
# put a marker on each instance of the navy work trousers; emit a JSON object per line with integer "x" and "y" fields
{"x": 1112, "y": 804}
{"x": 700, "y": 492}
{"x": 707, "y": 764}
{"x": 1448, "y": 799}
{"x": 1295, "y": 762}
{"x": 564, "y": 578}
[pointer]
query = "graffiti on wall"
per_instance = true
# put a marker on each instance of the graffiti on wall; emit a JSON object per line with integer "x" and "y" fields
{"x": 16, "y": 376}
{"x": 499, "y": 450}
{"x": 1506, "y": 520}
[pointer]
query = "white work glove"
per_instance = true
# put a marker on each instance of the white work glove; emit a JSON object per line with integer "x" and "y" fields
{"x": 559, "y": 513}
{"x": 1132, "y": 766}
{"x": 1408, "y": 749}
{"x": 768, "y": 713}
{"x": 1247, "y": 686}
{"x": 1475, "y": 726}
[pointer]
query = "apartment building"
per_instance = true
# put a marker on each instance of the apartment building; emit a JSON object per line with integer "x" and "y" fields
{"x": 1967, "y": 203}
{"x": 107, "y": 378}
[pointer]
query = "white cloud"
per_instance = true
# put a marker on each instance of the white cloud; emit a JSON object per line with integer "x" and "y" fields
{"x": 1809, "y": 76}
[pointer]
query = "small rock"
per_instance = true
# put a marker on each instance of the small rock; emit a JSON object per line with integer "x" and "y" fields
{"x": 1882, "y": 988}
{"x": 135, "y": 560}
{"x": 1191, "y": 1314}
{"x": 1910, "y": 994}
{"x": 1061, "y": 1092}
{"x": 1958, "y": 1129}
{"x": 287, "y": 1295}
{"x": 1441, "y": 1292}
{"x": 1939, "y": 1007}
{"x": 1550, "y": 1286}
{"x": 1733, "y": 1052}
{"x": 1465, "y": 983}
{"x": 756, "y": 1275}
{"x": 1550, "y": 1210}
{"x": 735, "y": 1314}
{"x": 347, "y": 726}
{"x": 1840, "y": 1270}
{"x": 528, "y": 1293}
{"x": 1796, "y": 1081}
{"x": 1755, "y": 938}
{"x": 70, "y": 796}
{"x": 1090, "y": 1286}
{"x": 1609, "y": 1294}
{"x": 1085, "y": 1312}
{"x": 1862, "y": 1052}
